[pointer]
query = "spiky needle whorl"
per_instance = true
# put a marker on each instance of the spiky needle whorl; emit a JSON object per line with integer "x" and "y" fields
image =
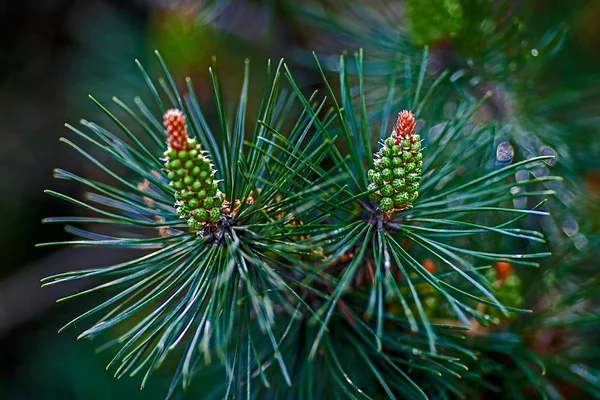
{"x": 197, "y": 194}
{"x": 397, "y": 167}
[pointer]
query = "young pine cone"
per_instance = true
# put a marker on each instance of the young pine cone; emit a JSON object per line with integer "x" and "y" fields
{"x": 197, "y": 194}
{"x": 397, "y": 167}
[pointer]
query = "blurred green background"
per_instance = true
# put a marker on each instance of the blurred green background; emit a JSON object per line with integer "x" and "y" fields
{"x": 54, "y": 53}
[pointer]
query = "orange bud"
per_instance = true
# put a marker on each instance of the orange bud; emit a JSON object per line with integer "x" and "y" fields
{"x": 429, "y": 265}
{"x": 503, "y": 271}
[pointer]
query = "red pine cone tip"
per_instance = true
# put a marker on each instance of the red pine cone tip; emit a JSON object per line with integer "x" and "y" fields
{"x": 405, "y": 125}
{"x": 175, "y": 129}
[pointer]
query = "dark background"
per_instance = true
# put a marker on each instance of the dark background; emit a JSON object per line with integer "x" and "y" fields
{"x": 53, "y": 53}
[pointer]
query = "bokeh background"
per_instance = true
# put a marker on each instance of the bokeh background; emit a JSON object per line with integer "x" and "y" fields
{"x": 54, "y": 53}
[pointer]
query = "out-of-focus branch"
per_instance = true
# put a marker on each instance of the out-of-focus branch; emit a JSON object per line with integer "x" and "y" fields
{"x": 22, "y": 298}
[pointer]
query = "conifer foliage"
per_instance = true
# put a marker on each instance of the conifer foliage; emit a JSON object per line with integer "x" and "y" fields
{"x": 371, "y": 239}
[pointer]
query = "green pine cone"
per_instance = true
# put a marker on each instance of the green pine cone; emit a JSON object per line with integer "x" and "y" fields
{"x": 198, "y": 196}
{"x": 397, "y": 167}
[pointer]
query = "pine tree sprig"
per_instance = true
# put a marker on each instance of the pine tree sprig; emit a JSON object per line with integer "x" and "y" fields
{"x": 304, "y": 275}
{"x": 195, "y": 292}
{"x": 470, "y": 198}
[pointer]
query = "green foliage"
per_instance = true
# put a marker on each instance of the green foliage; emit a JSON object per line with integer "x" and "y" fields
{"x": 200, "y": 290}
{"x": 309, "y": 283}
{"x": 495, "y": 49}
{"x": 450, "y": 213}
{"x": 213, "y": 291}
{"x": 433, "y": 20}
